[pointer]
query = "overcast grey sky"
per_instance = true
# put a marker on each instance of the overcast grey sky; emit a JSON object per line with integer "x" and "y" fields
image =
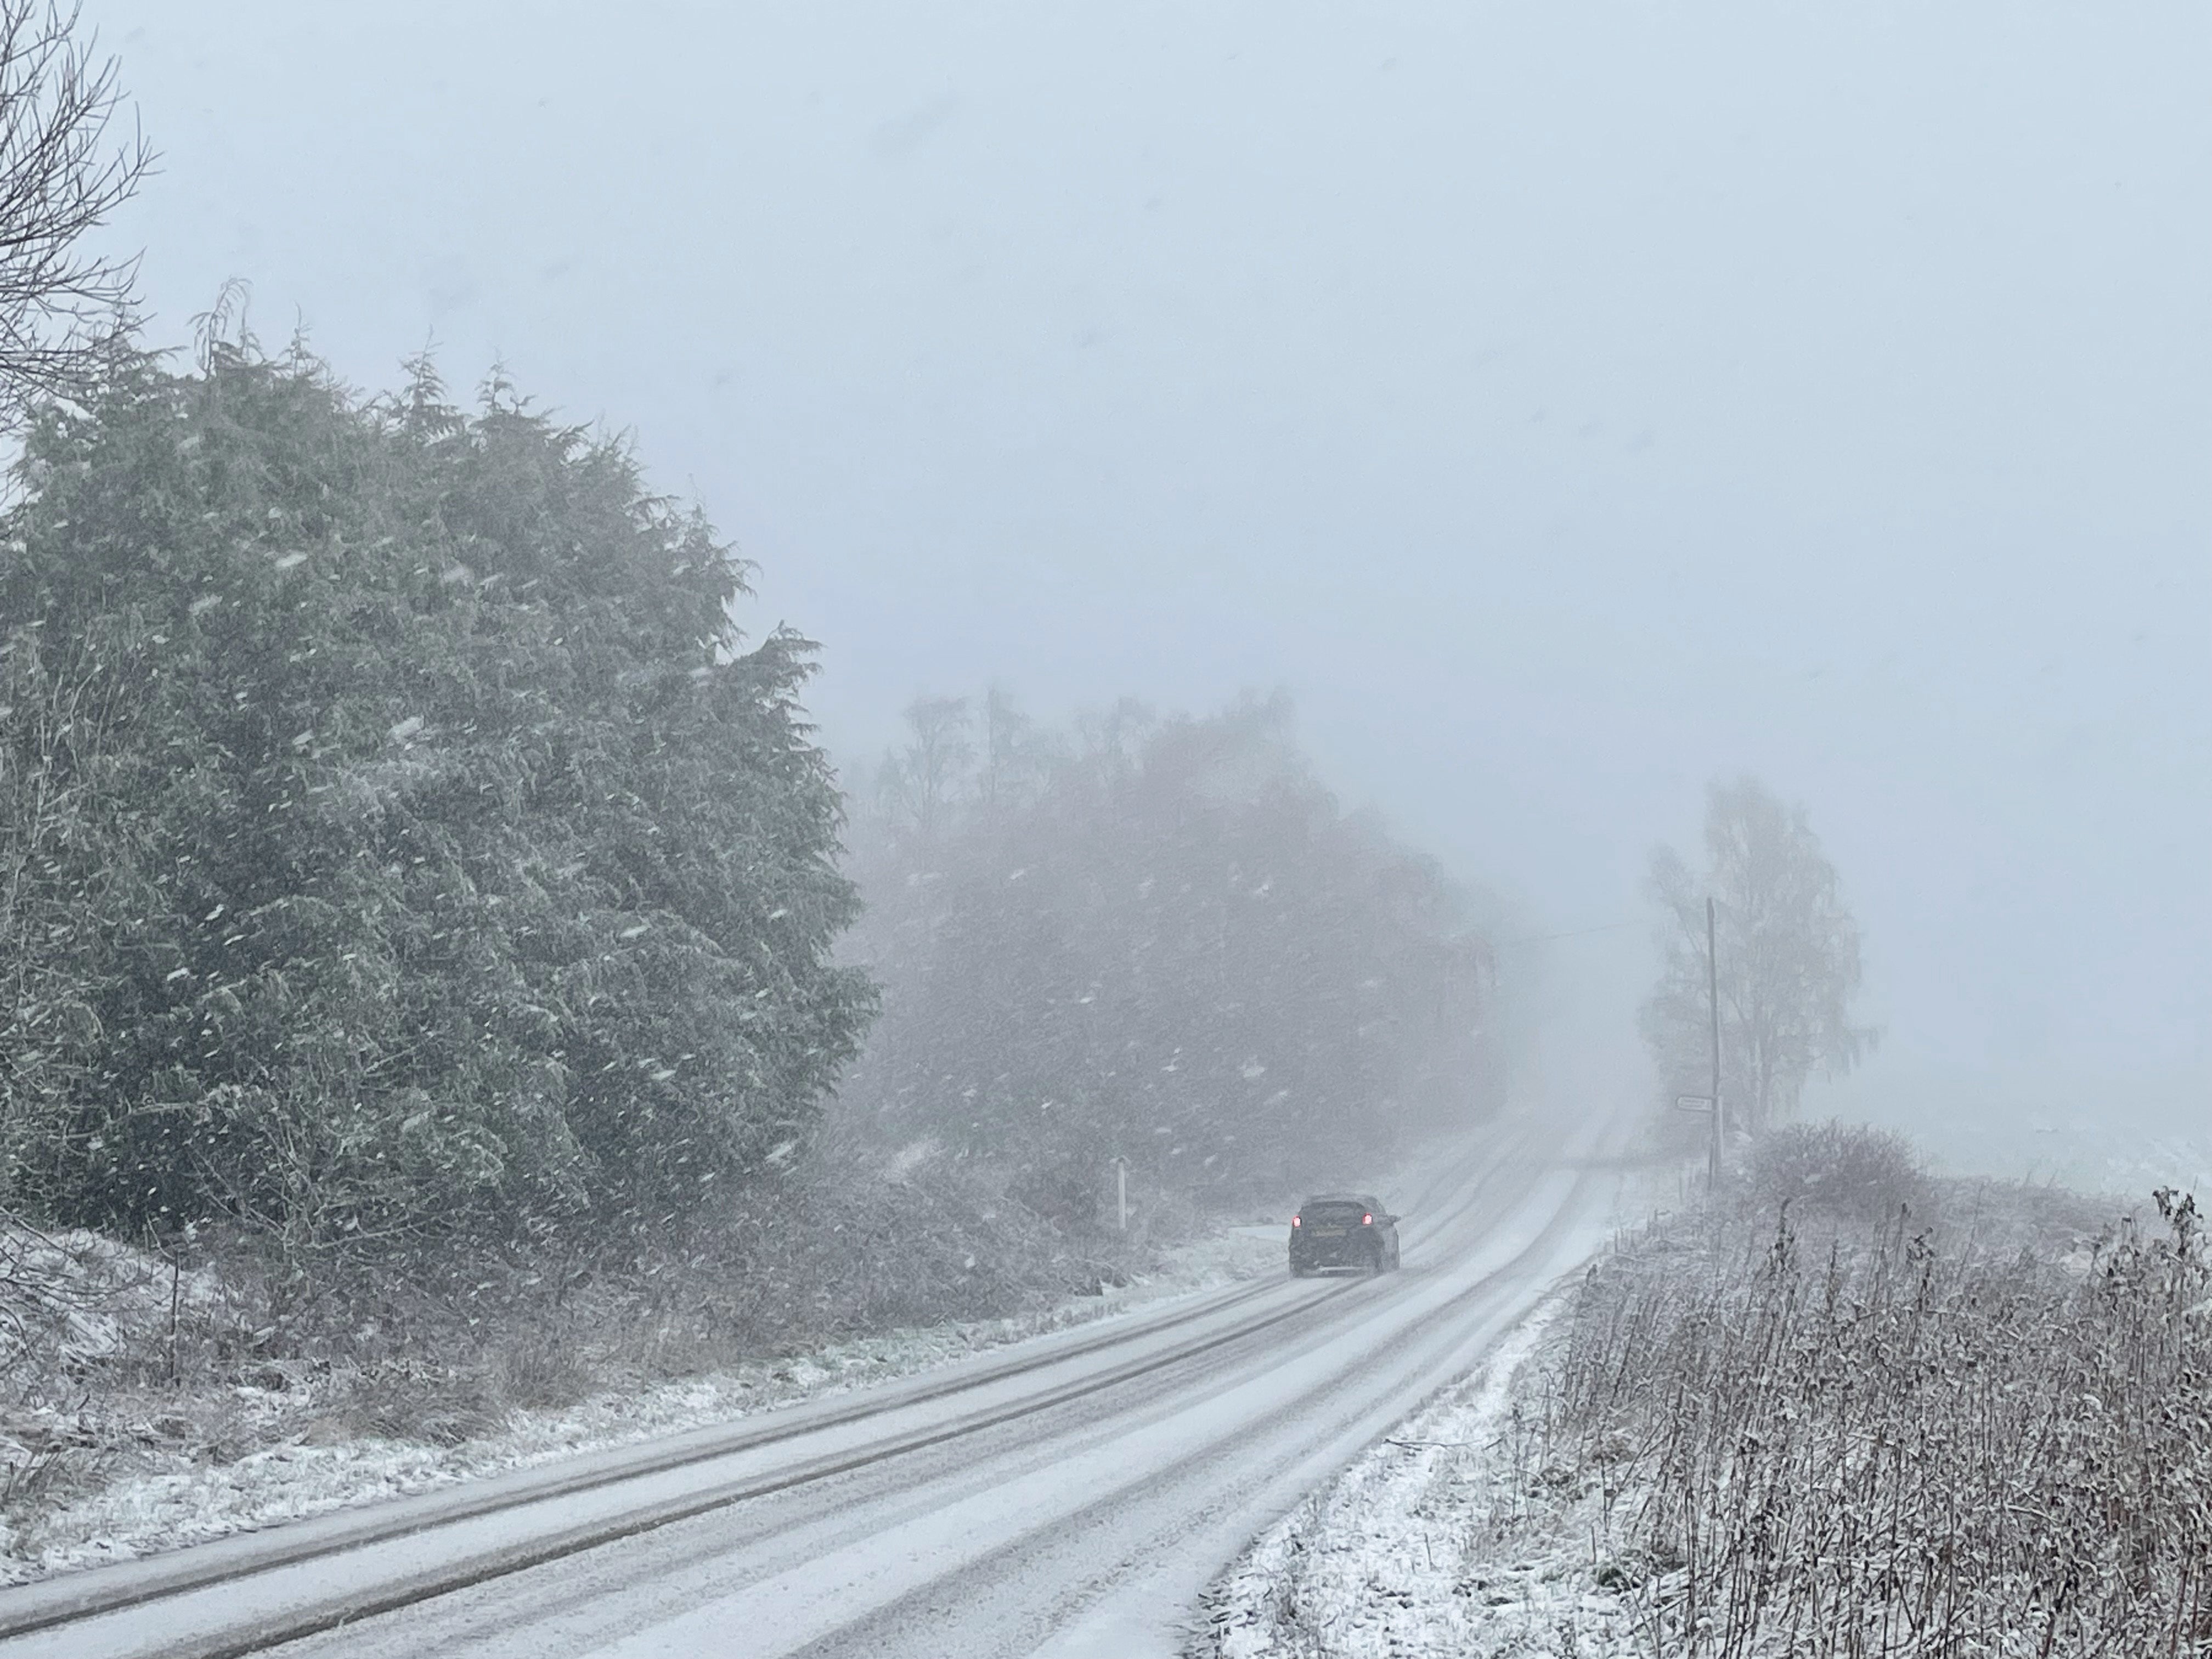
{"x": 1566, "y": 402}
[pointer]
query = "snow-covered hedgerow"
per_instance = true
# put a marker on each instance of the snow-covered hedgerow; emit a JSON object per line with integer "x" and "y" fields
{"x": 1973, "y": 1429}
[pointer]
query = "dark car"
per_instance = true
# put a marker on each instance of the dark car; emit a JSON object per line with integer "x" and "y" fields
{"x": 1343, "y": 1230}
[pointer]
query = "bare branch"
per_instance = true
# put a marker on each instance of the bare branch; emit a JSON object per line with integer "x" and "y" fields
{"x": 63, "y": 172}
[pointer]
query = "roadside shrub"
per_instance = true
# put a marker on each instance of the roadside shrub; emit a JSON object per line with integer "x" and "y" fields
{"x": 421, "y": 1399}
{"x": 541, "y": 1368}
{"x": 1844, "y": 1170}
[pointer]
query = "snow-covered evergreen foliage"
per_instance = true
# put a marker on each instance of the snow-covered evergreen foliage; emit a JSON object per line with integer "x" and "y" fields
{"x": 396, "y": 840}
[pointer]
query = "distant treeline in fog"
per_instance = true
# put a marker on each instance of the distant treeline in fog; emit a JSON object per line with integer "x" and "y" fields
{"x": 1156, "y": 939}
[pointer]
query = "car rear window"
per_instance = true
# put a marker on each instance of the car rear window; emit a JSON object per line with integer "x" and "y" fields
{"x": 1334, "y": 1213}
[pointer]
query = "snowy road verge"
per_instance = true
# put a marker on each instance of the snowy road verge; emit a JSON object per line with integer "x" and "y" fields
{"x": 1845, "y": 1408}
{"x": 167, "y": 1498}
{"x": 1455, "y": 1533}
{"x": 1424, "y": 1546}
{"x": 1157, "y": 1443}
{"x": 261, "y": 1456}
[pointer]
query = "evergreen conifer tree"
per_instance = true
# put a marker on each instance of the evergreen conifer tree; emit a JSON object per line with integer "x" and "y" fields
{"x": 431, "y": 855}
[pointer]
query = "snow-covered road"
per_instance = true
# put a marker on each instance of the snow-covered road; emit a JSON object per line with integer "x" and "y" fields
{"x": 1068, "y": 1497}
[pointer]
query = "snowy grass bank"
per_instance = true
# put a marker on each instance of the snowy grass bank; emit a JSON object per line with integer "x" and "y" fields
{"x": 1810, "y": 1421}
{"x": 159, "y": 1484}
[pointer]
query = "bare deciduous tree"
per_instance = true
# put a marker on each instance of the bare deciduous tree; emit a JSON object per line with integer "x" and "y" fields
{"x": 62, "y": 171}
{"x": 1789, "y": 958}
{"x": 1009, "y": 758}
{"x": 920, "y": 783}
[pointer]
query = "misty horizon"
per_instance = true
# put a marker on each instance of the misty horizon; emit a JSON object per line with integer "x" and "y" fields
{"x": 1562, "y": 415}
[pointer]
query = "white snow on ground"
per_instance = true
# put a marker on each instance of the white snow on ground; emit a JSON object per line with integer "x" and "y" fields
{"x": 190, "y": 1502}
{"x": 2175, "y": 1161}
{"x": 1452, "y": 1536}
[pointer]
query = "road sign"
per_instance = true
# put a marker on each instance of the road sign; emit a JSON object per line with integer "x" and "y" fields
{"x": 1693, "y": 1102}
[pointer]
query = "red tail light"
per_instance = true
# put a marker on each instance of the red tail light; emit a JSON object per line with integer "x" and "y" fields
{"x": 1367, "y": 1220}
{"x": 1294, "y": 1221}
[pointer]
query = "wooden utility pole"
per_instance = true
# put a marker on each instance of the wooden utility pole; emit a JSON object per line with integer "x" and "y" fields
{"x": 1713, "y": 1007}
